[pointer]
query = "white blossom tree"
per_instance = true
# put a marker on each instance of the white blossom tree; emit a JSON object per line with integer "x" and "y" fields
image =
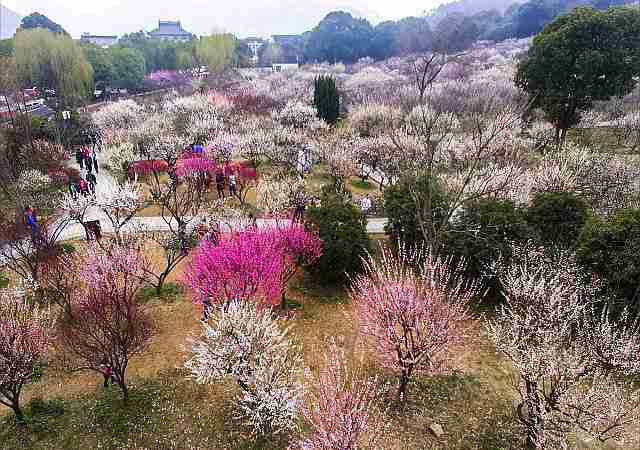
{"x": 245, "y": 344}
{"x": 120, "y": 202}
{"x": 571, "y": 362}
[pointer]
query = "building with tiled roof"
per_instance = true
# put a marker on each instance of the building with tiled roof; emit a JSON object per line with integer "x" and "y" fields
{"x": 169, "y": 30}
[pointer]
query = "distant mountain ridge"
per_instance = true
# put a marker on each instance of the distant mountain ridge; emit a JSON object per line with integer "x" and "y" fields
{"x": 9, "y": 22}
{"x": 468, "y": 8}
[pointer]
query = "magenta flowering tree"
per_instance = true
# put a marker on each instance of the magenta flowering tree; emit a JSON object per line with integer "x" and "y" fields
{"x": 254, "y": 264}
{"x": 243, "y": 266}
{"x": 342, "y": 408}
{"x": 24, "y": 341}
{"x": 298, "y": 248}
{"x": 411, "y": 320}
{"x": 195, "y": 167}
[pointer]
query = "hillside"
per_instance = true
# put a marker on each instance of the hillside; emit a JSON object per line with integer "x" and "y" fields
{"x": 468, "y": 8}
{"x": 9, "y": 22}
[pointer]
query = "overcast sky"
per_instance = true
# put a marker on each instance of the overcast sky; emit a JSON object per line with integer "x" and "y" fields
{"x": 243, "y": 17}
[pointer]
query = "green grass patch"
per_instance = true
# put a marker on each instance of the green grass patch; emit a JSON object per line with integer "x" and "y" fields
{"x": 171, "y": 292}
{"x": 363, "y": 185}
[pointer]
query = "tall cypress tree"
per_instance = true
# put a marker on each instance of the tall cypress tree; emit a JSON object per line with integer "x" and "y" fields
{"x": 326, "y": 99}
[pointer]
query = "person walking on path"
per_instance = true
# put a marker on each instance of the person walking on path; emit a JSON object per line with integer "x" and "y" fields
{"x": 84, "y": 187}
{"x": 92, "y": 180}
{"x": 80, "y": 158}
{"x": 232, "y": 184}
{"x": 220, "y": 184}
{"x": 95, "y": 161}
{"x": 88, "y": 162}
{"x": 107, "y": 372}
{"x": 365, "y": 205}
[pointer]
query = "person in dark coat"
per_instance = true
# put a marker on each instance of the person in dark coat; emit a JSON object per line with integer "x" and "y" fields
{"x": 88, "y": 162}
{"x": 95, "y": 161}
{"x": 80, "y": 158}
{"x": 220, "y": 184}
{"x": 92, "y": 180}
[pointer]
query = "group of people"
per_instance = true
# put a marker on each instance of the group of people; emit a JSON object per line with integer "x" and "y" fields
{"x": 88, "y": 162}
{"x": 222, "y": 181}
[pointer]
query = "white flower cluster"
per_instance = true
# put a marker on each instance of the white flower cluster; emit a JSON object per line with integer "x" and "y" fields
{"x": 245, "y": 344}
{"x": 118, "y": 115}
{"x": 32, "y": 181}
{"x": 296, "y": 114}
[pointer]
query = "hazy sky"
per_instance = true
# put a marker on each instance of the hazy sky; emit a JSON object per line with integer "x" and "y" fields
{"x": 244, "y": 17}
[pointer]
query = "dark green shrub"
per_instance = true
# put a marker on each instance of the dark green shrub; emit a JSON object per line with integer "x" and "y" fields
{"x": 343, "y": 231}
{"x": 400, "y": 207}
{"x": 4, "y": 281}
{"x": 611, "y": 250}
{"x": 326, "y": 99}
{"x": 558, "y": 218}
{"x": 484, "y": 231}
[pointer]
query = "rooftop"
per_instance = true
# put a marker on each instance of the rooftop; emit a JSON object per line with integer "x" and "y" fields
{"x": 170, "y": 28}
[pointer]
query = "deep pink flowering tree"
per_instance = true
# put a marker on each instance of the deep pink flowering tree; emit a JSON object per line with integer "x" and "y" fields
{"x": 195, "y": 167}
{"x": 298, "y": 248}
{"x": 243, "y": 266}
{"x": 24, "y": 342}
{"x": 148, "y": 166}
{"x": 106, "y": 324}
{"x": 412, "y": 319}
{"x": 342, "y": 408}
{"x": 254, "y": 264}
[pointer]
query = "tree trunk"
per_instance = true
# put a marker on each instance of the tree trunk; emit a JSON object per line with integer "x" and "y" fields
{"x": 283, "y": 301}
{"x": 125, "y": 391}
{"x": 402, "y": 388}
{"x": 161, "y": 280}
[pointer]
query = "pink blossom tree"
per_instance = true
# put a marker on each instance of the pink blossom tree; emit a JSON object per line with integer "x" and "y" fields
{"x": 298, "y": 248}
{"x": 411, "y": 320}
{"x": 254, "y": 264}
{"x": 106, "y": 325}
{"x": 342, "y": 409}
{"x": 243, "y": 266}
{"x": 24, "y": 342}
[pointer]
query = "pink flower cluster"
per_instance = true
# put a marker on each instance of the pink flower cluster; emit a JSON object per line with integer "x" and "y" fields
{"x": 194, "y": 166}
{"x": 254, "y": 264}
{"x": 146, "y": 167}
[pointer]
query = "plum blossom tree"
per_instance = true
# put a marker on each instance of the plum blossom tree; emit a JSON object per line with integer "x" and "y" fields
{"x": 243, "y": 343}
{"x": 244, "y": 266}
{"x": 571, "y": 362}
{"x": 25, "y": 337}
{"x": 412, "y": 322}
{"x": 120, "y": 202}
{"x": 106, "y": 325}
{"x": 297, "y": 247}
{"x": 342, "y": 410}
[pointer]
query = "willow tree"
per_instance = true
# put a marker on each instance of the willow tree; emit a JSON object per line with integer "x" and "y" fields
{"x": 53, "y": 61}
{"x": 217, "y": 51}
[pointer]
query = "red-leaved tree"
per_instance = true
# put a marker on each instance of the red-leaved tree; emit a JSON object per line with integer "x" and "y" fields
{"x": 412, "y": 318}
{"x": 342, "y": 410}
{"x": 106, "y": 324}
{"x": 24, "y": 342}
